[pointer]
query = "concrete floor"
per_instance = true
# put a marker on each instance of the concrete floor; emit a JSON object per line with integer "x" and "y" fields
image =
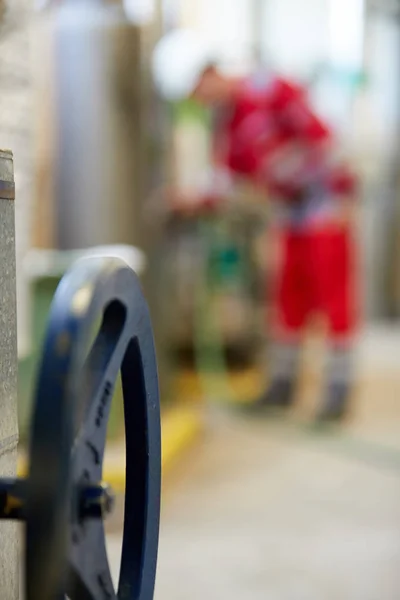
{"x": 274, "y": 510}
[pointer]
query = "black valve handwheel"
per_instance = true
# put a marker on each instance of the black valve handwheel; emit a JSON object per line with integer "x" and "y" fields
{"x": 99, "y": 327}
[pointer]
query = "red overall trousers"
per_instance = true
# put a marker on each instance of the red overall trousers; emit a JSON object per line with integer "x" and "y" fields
{"x": 315, "y": 275}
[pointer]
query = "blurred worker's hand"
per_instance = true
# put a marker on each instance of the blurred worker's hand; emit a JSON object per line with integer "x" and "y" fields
{"x": 171, "y": 200}
{"x": 341, "y": 216}
{"x": 345, "y": 213}
{"x": 208, "y": 193}
{"x": 191, "y": 205}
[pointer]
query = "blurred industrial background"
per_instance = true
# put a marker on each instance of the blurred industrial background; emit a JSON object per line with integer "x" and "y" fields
{"x": 252, "y": 508}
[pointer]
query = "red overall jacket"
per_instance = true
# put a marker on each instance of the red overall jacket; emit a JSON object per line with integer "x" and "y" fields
{"x": 270, "y": 135}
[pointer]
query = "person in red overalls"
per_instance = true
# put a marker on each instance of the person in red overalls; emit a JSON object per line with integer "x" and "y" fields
{"x": 267, "y": 132}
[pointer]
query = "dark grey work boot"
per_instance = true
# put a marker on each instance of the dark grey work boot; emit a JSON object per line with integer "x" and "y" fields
{"x": 280, "y": 395}
{"x": 283, "y": 366}
{"x": 336, "y": 405}
{"x": 340, "y": 377}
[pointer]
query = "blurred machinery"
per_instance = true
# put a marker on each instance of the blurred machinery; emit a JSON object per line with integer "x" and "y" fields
{"x": 101, "y": 98}
{"x": 217, "y": 283}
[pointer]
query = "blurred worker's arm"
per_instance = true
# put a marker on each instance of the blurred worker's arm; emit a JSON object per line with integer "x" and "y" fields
{"x": 301, "y": 154}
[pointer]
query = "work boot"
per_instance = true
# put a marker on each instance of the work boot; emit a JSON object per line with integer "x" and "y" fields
{"x": 336, "y": 404}
{"x": 280, "y": 395}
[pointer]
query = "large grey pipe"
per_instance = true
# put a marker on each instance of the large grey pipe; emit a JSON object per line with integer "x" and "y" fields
{"x": 98, "y": 142}
{"x": 102, "y": 125}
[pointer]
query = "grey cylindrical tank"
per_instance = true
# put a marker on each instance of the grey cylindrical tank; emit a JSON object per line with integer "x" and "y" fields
{"x": 98, "y": 142}
{"x": 103, "y": 135}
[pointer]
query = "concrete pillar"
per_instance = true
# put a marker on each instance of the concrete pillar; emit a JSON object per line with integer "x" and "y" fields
{"x": 9, "y": 571}
{"x": 16, "y": 132}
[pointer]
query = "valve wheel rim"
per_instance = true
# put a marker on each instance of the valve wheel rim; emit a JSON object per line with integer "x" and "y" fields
{"x": 71, "y": 410}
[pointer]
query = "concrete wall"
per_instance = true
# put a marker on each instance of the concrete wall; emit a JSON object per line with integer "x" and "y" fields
{"x": 9, "y": 571}
{"x": 16, "y": 133}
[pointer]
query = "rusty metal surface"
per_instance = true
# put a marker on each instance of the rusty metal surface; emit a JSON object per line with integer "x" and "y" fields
{"x": 7, "y": 190}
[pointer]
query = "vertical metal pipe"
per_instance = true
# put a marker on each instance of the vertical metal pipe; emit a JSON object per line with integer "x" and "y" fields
{"x": 98, "y": 140}
{"x": 107, "y": 135}
{"x": 157, "y": 153}
{"x": 257, "y": 7}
